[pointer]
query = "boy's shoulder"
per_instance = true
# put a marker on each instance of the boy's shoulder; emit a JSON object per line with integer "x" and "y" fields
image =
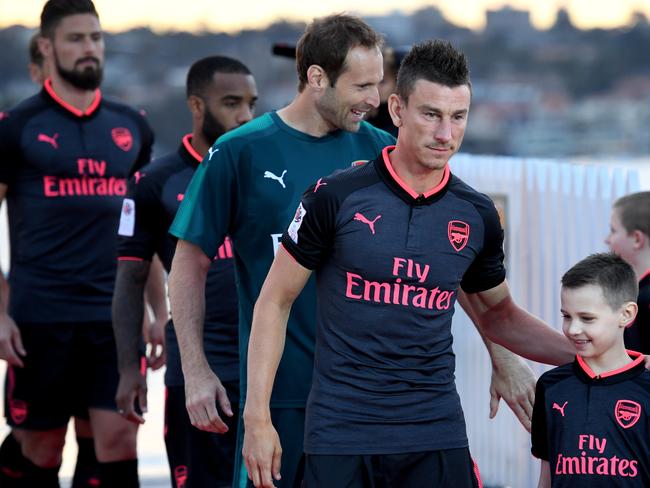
{"x": 556, "y": 375}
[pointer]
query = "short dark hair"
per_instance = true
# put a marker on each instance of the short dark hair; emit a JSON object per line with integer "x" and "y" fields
{"x": 201, "y": 72}
{"x": 326, "y": 42}
{"x": 55, "y": 10}
{"x": 35, "y": 54}
{"x": 436, "y": 61}
{"x": 610, "y": 273}
{"x": 634, "y": 212}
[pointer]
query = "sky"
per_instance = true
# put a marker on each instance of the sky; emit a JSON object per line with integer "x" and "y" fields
{"x": 196, "y": 15}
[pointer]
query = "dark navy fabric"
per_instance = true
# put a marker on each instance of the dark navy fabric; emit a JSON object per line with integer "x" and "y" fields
{"x": 637, "y": 335}
{"x": 593, "y": 429}
{"x": 388, "y": 268}
{"x": 66, "y": 173}
{"x": 153, "y": 197}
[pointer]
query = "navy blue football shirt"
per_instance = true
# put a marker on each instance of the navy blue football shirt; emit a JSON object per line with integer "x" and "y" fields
{"x": 593, "y": 429}
{"x": 389, "y": 263}
{"x": 154, "y": 195}
{"x": 66, "y": 172}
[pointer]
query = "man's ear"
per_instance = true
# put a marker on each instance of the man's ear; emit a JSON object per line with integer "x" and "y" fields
{"x": 395, "y": 107}
{"x": 317, "y": 78}
{"x": 196, "y": 105}
{"x": 44, "y": 46}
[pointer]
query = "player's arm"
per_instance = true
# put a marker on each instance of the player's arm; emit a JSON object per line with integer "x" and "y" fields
{"x": 11, "y": 344}
{"x": 127, "y": 312}
{"x": 507, "y": 324}
{"x": 187, "y": 294}
{"x": 512, "y": 378}
{"x": 544, "y": 476}
{"x": 154, "y": 333}
{"x": 262, "y": 450}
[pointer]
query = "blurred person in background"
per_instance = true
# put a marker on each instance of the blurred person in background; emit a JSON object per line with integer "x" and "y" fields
{"x": 65, "y": 157}
{"x": 629, "y": 237}
{"x": 221, "y": 96}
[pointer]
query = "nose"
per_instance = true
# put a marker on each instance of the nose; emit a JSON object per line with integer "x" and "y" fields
{"x": 607, "y": 239}
{"x": 573, "y": 327}
{"x": 373, "y": 97}
{"x": 443, "y": 131}
{"x": 245, "y": 115}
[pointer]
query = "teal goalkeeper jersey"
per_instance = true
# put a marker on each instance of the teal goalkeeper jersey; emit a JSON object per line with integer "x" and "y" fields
{"x": 248, "y": 187}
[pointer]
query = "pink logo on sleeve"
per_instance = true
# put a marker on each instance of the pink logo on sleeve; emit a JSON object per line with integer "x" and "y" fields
{"x": 319, "y": 183}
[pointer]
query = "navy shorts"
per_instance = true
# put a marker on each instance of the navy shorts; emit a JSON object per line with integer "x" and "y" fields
{"x": 197, "y": 458}
{"x": 290, "y": 425}
{"x": 69, "y": 368}
{"x": 449, "y": 468}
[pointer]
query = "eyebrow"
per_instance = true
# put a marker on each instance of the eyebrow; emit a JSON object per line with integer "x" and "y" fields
{"x": 429, "y": 108}
{"x": 234, "y": 98}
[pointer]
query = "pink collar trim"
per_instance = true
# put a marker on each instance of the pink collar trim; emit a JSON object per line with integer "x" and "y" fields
{"x": 187, "y": 142}
{"x": 638, "y": 358}
{"x": 79, "y": 113}
{"x": 405, "y": 187}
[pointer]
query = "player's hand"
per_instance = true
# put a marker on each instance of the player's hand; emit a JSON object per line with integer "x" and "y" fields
{"x": 514, "y": 381}
{"x": 11, "y": 344}
{"x": 155, "y": 338}
{"x": 201, "y": 391}
{"x": 262, "y": 453}
{"x": 131, "y": 388}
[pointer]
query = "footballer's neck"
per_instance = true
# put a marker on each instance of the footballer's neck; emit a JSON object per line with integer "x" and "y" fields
{"x": 302, "y": 114}
{"x": 70, "y": 94}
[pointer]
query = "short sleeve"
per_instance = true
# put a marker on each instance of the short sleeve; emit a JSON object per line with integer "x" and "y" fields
{"x": 140, "y": 220}
{"x": 310, "y": 234}
{"x": 487, "y": 271}
{"x": 538, "y": 431}
{"x": 208, "y": 208}
{"x": 146, "y": 147}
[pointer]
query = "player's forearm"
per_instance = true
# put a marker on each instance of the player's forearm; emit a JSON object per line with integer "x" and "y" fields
{"x": 4, "y": 293}
{"x": 187, "y": 296}
{"x": 128, "y": 311}
{"x": 155, "y": 290}
{"x": 499, "y": 355}
{"x": 524, "y": 334}
{"x": 264, "y": 352}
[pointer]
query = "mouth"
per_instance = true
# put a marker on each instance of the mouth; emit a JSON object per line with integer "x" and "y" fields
{"x": 581, "y": 343}
{"x": 87, "y": 61}
{"x": 358, "y": 114}
{"x": 439, "y": 149}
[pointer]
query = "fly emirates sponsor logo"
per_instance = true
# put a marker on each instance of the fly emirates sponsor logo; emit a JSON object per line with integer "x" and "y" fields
{"x": 92, "y": 181}
{"x": 592, "y": 460}
{"x": 396, "y": 292}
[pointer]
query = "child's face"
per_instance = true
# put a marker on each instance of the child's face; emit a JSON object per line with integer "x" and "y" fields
{"x": 620, "y": 242}
{"x": 590, "y": 323}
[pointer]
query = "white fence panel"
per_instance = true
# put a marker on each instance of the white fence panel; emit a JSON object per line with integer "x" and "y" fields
{"x": 555, "y": 213}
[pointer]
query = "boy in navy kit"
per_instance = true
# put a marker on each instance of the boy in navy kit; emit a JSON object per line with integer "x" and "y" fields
{"x": 629, "y": 237}
{"x": 392, "y": 243}
{"x": 590, "y": 421}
